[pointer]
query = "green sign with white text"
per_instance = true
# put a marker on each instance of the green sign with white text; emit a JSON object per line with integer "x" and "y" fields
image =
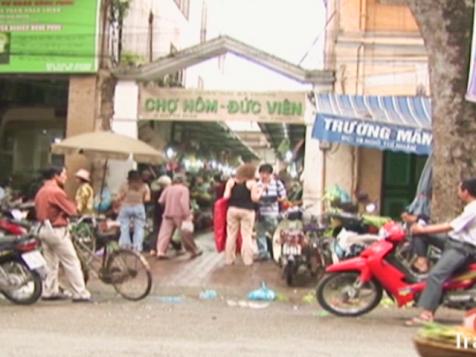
{"x": 48, "y": 36}
{"x": 157, "y": 103}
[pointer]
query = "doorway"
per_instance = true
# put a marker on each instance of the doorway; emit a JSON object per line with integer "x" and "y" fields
{"x": 401, "y": 173}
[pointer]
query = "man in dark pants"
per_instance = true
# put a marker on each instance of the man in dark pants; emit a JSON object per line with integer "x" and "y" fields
{"x": 460, "y": 250}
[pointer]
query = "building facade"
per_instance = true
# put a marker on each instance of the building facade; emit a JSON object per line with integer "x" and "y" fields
{"x": 375, "y": 49}
{"x": 151, "y": 30}
{"x": 57, "y": 82}
{"x": 49, "y": 49}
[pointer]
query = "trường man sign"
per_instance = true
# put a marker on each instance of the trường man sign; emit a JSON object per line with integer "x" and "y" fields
{"x": 48, "y": 36}
{"x": 372, "y": 134}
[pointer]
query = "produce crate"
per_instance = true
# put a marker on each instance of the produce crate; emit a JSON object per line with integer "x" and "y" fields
{"x": 427, "y": 348}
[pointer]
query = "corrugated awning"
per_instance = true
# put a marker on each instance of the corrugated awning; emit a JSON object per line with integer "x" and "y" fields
{"x": 397, "y": 123}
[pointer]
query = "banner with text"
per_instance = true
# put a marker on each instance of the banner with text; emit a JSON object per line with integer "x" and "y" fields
{"x": 44, "y": 36}
{"x": 183, "y": 104}
{"x": 377, "y": 135}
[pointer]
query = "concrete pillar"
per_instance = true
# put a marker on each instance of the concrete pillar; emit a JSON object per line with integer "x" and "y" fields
{"x": 126, "y": 104}
{"x": 313, "y": 175}
{"x": 81, "y": 118}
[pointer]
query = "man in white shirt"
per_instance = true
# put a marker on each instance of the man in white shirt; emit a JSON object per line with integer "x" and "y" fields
{"x": 459, "y": 251}
{"x": 273, "y": 192}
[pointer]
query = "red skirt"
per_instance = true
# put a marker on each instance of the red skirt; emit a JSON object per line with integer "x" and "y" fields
{"x": 219, "y": 225}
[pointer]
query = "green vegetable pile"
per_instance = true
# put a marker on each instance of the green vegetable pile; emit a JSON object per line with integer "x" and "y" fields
{"x": 447, "y": 335}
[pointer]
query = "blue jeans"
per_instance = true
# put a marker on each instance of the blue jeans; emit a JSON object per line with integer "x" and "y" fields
{"x": 265, "y": 228}
{"x": 137, "y": 213}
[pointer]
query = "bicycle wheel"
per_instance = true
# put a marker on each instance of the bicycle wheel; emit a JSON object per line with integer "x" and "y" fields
{"x": 129, "y": 273}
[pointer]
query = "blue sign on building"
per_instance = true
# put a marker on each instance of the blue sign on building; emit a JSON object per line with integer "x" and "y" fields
{"x": 373, "y": 134}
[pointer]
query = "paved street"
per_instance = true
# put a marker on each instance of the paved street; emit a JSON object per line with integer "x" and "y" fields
{"x": 173, "y": 321}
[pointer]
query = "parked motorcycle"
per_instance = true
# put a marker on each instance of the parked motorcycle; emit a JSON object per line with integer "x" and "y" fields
{"x": 305, "y": 244}
{"x": 22, "y": 266}
{"x": 352, "y": 233}
{"x": 354, "y": 287}
{"x": 297, "y": 245}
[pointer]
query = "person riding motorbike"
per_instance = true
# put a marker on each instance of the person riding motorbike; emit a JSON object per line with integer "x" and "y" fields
{"x": 460, "y": 250}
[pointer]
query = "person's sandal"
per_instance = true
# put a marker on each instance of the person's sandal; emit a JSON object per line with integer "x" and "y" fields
{"x": 162, "y": 257}
{"x": 421, "y": 320}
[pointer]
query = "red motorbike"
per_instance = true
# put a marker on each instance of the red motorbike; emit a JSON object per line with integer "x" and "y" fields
{"x": 22, "y": 267}
{"x": 354, "y": 287}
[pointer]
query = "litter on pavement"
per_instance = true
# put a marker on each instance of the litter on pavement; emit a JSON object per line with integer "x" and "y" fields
{"x": 262, "y": 294}
{"x": 208, "y": 295}
{"x": 322, "y": 313}
{"x": 386, "y": 302}
{"x": 172, "y": 299}
{"x": 248, "y": 304}
{"x": 309, "y": 298}
{"x": 281, "y": 298}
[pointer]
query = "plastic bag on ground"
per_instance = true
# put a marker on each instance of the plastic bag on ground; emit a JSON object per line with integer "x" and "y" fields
{"x": 262, "y": 294}
{"x": 208, "y": 295}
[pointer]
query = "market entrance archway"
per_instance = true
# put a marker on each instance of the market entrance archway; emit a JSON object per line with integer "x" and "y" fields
{"x": 138, "y": 97}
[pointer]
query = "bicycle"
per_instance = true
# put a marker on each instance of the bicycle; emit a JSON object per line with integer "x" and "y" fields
{"x": 126, "y": 270}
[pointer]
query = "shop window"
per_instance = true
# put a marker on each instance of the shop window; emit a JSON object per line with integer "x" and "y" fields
{"x": 25, "y": 139}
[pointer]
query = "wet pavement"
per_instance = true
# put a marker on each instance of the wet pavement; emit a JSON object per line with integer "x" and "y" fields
{"x": 174, "y": 321}
{"x": 180, "y": 273}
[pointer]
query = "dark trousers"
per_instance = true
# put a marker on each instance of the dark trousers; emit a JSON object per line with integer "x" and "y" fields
{"x": 455, "y": 256}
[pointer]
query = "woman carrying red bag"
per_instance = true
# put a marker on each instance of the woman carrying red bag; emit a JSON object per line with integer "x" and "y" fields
{"x": 242, "y": 193}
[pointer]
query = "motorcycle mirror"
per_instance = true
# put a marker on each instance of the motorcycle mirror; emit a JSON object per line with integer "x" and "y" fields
{"x": 371, "y": 208}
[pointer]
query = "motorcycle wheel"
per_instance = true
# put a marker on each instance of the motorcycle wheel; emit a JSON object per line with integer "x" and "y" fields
{"x": 29, "y": 284}
{"x": 337, "y": 294}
